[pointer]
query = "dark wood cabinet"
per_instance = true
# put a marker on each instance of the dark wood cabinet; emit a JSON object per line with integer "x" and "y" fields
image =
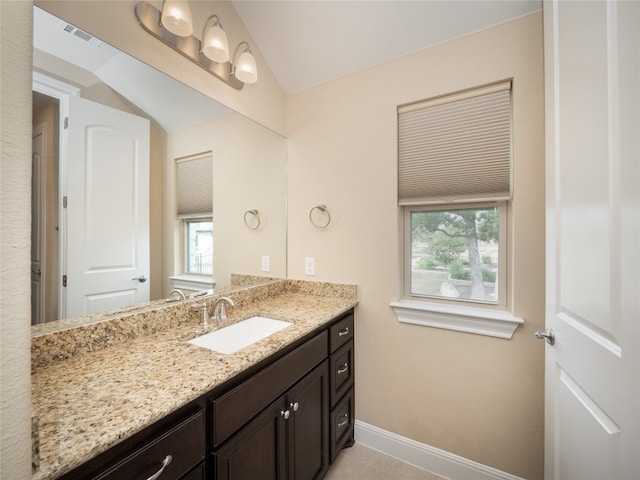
{"x": 258, "y": 451}
{"x": 288, "y": 440}
{"x": 308, "y": 430}
{"x": 342, "y": 380}
{"x": 285, "y": 418}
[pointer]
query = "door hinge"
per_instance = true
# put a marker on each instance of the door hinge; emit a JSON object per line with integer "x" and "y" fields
{"x": 66, "y": 122}
{"x": 64, "y": 280}
{"x": 64, "y": 202}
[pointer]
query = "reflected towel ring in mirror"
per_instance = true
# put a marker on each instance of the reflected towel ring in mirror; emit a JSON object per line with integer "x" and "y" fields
{"x": 252, "y": 219}
{"x": 323, "y": 209}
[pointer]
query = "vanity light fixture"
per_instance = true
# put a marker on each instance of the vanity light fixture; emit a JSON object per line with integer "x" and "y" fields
{"x": 176, "y": 17}
{"x": 212, "y": 53}
{"x": 244, "y": 65}
{"x": 214, "y": 42}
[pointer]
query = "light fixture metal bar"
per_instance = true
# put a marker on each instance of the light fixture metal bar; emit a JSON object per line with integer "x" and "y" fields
{"x": 149, "y": 19}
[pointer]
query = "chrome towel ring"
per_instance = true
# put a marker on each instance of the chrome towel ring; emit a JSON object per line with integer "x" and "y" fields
{"x": 252, "y": 219}
{"x": 324, "y": 210}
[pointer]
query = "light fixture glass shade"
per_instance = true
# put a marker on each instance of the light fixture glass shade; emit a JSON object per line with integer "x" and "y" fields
{"x": 215, "y": 44}
{"x": 246, "y": 70}
{"x": 176, "y": 17}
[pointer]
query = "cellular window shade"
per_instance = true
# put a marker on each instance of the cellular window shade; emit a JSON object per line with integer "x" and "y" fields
{"x": 456, "y": 148}
{"x": 195, "y": 187}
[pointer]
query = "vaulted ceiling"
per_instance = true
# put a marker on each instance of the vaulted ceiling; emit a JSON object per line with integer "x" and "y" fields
{"x": 308, "y": 42}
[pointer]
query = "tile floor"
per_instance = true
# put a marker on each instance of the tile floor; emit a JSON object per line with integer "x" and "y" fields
{"x": 363, "y": 463}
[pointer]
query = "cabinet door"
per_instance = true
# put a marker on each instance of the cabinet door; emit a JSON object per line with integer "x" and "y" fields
{"x": 308, "y": 402}
{"x": 258, "y": 451}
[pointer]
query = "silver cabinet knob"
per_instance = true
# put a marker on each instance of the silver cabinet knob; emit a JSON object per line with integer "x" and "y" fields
{"x": 285, "y": 414}
{"x": 294, "y": 406}
{"x": 548, "y": 335}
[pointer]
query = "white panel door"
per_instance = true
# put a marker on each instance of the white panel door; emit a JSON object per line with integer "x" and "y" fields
{"x": 107, "y": 213}
{"x": 592, "y": 57}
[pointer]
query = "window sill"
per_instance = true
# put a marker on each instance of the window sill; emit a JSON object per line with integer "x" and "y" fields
{"x": 474, "y": 320}
{"x": 193, "y": 282}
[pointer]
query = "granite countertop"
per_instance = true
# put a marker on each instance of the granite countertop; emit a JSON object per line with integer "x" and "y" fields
{"x": 86, "y": 402}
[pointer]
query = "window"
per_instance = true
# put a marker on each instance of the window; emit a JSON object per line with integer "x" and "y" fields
{"x": 454, "y": 189}
{"x": 455, "y": 254}
{"x": 194, "y": 186}
{"x": 199, "y": 246}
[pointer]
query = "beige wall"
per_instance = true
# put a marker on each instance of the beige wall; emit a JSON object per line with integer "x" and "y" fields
{"x": 476, "y": 396}
{"x": 15, "y": 227}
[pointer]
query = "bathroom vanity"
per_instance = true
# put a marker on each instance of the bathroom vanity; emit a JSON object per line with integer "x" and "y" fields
{"x": 280, "y": 408}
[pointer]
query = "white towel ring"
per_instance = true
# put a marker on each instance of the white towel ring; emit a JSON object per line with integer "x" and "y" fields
{"x": 323, "y": 209}
{"x": 255, "y": 215}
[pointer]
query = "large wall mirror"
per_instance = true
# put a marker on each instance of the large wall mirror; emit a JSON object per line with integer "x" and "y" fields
{"x": 116, "y": 189}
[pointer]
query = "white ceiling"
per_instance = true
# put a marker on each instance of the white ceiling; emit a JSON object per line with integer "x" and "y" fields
{"x": 308, "y": 42}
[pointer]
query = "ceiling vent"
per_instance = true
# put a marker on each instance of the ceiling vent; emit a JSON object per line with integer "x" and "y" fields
{"x": 76, "y": 32}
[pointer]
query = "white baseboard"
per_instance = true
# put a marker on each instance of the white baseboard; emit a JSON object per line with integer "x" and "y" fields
{"x": 425, "y": 456}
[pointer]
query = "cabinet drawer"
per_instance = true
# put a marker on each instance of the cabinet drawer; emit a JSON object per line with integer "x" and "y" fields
{"x": 341, "y": 429}
{"x": 342, "y": 372}
{"x": 341, "y": 333}
{"x": 183, "y": 445}
{"x": 235, "y": 408}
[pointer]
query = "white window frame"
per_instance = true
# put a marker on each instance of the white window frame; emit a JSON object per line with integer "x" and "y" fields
{"x": 462, "y": 315}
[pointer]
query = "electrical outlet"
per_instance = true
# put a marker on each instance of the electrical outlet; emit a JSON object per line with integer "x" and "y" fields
{"x": 309, "y": 266}
{"x": 266, "y": 263}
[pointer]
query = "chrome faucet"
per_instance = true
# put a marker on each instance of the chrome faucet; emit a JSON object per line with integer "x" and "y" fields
{"x": 219, "y": 309}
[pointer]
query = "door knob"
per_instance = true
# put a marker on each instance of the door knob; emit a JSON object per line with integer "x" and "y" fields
{"x": 141, "y": 278}
{"x": 548, "y": 335}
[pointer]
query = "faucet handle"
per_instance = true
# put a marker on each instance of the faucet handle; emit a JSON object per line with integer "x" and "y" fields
{"x": 205, "y": 312}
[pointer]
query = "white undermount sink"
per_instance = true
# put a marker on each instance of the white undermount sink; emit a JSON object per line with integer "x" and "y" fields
{"x": 239, "y": 335}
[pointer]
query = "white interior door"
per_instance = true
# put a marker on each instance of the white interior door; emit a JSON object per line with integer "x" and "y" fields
{"x": 592, "y": 56}
{"x": 107, "y": 209}
{"x": 37, "y": 223}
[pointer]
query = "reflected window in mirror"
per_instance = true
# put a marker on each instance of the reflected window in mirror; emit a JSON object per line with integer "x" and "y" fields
{"x": 199, "y": 246}
{"x": 194, "y": 188}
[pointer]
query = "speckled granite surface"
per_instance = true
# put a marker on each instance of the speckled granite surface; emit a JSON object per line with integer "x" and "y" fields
{"x": 94, "y": 385}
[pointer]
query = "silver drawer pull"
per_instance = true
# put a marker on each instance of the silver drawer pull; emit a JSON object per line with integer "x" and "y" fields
{"x": 343, "y": 369}
{"x": 344, "y": 332}
{"x": 344, "y": 422}
{"x": 285, "y": 414}
{"x": 294, "y": 406}
{"x": 165, "y": 463}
